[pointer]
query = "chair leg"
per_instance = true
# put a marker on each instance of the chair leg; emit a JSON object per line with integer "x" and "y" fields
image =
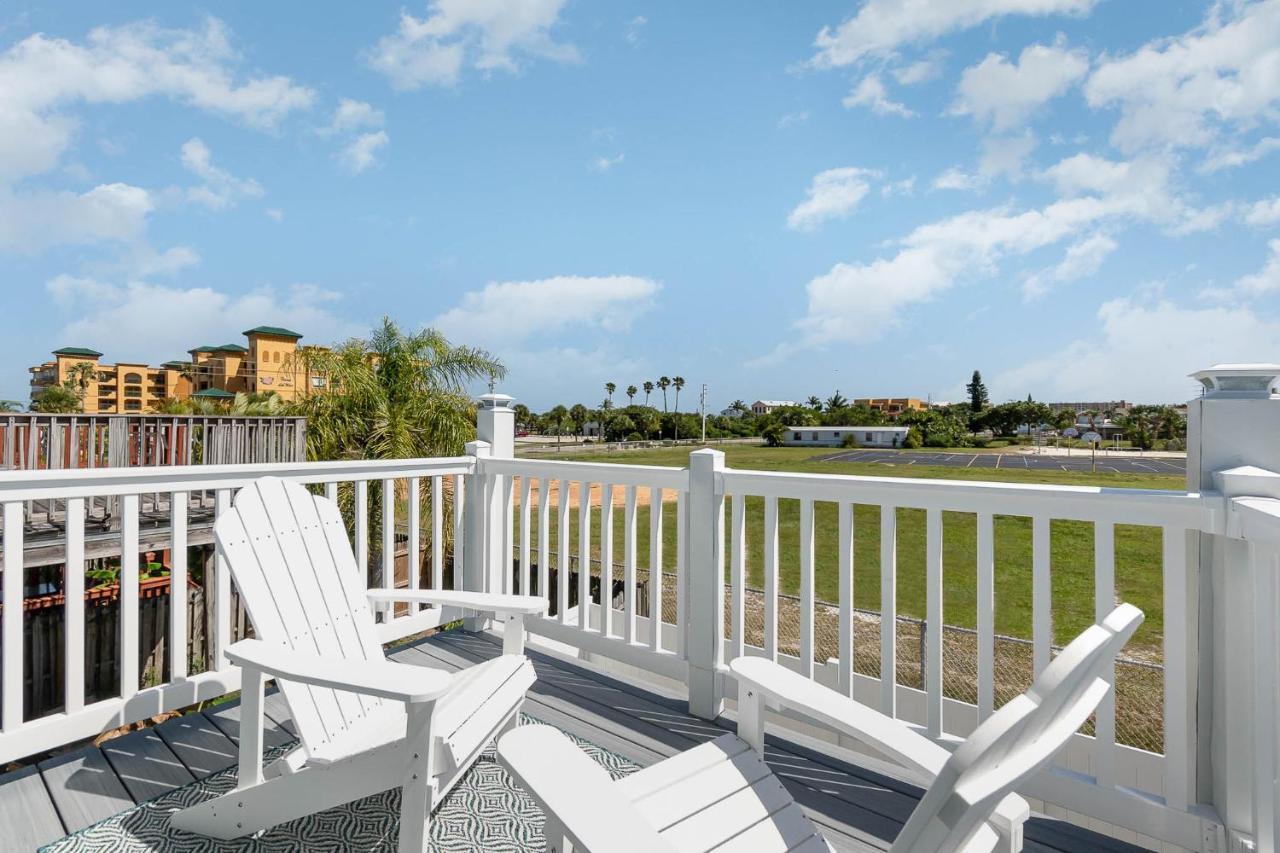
{"x": 418, "y": 794}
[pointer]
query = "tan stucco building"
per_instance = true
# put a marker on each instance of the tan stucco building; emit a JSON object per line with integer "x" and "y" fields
{"x": 272, "y": 361}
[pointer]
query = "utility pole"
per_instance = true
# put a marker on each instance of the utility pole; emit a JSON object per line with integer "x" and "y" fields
{"x": 702, "y": 404}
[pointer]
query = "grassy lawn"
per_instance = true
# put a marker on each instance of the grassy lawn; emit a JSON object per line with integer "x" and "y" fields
{"x": 1137, "y": 548}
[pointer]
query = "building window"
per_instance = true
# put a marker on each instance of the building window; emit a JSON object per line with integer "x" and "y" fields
{"x": 837, "y": 433}
{"x": 133, "y": 378}
{"x": 869, "y": 437}
{"x": 133, "y": 405}
{"x": 133, "y": 391}
{"x": 105, "y": 405}
{"x": 815, "y": 436}
{"x": 797, "y": 438}
{"x": 317, "y": 382}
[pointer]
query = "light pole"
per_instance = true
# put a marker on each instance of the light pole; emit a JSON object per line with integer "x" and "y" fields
{"x": 702, "y": 404}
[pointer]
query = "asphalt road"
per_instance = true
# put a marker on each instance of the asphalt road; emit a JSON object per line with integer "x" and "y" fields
{"x": 1080, "y": 462}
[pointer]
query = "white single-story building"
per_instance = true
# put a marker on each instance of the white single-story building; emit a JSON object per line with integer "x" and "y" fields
{"x": 834, "y": 436}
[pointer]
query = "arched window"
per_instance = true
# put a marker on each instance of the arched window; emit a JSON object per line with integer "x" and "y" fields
{"x": 275, "y": 357}
{"x": 133, "y": 379}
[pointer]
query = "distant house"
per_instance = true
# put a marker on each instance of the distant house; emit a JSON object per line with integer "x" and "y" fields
{"x": 764, "y": 407}
{"x": 892, "y": 405}
{"x": 834, "y": 436}
{"x": 732, "y": 413}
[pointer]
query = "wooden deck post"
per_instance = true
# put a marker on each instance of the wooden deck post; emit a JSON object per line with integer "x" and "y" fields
{"x": 475, "y": 524}
{"x": 704, "y": 622}
{"x": 1234, "y": 424}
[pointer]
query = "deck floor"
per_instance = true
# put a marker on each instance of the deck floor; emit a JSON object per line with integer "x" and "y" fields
{"x": 857, "y": 809}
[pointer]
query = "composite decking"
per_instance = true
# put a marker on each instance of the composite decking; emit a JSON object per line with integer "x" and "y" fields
{"x": 857, "y": 809}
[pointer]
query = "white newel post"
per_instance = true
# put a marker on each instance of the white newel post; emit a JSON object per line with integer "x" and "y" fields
{"x": 1235, "y": 424}
{"x": 704, "y": 573}
{"x": 486, "y": 554}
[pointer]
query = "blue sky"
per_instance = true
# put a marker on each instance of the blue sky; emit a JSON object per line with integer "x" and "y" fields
{"x": 1078, "y": 197}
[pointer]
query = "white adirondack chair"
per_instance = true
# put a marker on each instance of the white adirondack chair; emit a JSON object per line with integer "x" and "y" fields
{"x": 365, "y": 724}
{"x": 722, "y": 796}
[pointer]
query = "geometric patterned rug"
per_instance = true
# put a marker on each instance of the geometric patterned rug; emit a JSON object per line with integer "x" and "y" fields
{"x": 487, "y": 810}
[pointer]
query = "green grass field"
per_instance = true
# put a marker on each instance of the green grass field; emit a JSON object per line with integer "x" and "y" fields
{"x": 1137, "y": 548}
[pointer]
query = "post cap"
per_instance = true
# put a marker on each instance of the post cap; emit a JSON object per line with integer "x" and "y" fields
{"x": 496, "y": 401}
{"x": 1240, "y": 381}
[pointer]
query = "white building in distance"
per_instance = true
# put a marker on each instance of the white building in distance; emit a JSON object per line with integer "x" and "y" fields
{"x": 834, "y": 436}
{"x": 764, "y": 407}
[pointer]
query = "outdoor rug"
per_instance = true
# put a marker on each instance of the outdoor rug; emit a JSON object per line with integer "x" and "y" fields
{"x": 487, "y": 810}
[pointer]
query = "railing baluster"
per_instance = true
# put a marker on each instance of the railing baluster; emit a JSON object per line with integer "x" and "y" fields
{"x": 771, "y": 577}
{"x": 844, "y": 543}
{"x": 889, "y": 610}
{"x": 177, "y": 653}
{"x": 129, "y": 626}
{"x": 737, "y": 577}
{"x": 221, "y": 638}
{"x": 544, "y": 553}
{"x": 508, "y": 534}
{"x": 1104, "y": 600}
{"x": 656, "y": 507}
{"x": 933, "y": 605}
{"x": 388, "y": 571}
{"x": 526, "y": 566}
{"x": 437, "y": 532}
{"x": 584, "y": 550}
{"x": 330, "y": 491}
{"x": 606, "y": 559}
{"x": 1041, "y": 594}
{"x": 413, "y": 561}
{"x": 73, "y": 611}
{"x": 806, "y": 587}
{"x": 1177, "y": 748}
{"x": 362, "y": 529}
{"x": 11, "y": 628}
{"x": 629, "y": 565}
{"x": 682, "y": 614}
{"x": 459, "y": 503}
{"x": 986, "y": 614}
{"x": 562, "y": 543}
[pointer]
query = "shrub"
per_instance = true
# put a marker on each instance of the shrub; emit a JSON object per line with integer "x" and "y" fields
{"x": 635, "y": 436}
{"x": 912, "y": 441}
{"x": 774, "y": 434}
{"x": 849, "y": 440}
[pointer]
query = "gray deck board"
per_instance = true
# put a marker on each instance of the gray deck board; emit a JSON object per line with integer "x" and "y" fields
{"x": 84, "y": 787}
{"x": 27, "y": 814}
{"x": 857, "y": 808}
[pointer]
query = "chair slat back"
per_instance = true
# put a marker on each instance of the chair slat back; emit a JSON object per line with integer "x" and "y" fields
{"x": 289, "y": 554}
{"x": 1017, "y": 740}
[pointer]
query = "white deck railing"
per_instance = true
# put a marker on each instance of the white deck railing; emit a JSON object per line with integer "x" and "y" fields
{"x": 549, "y": 512}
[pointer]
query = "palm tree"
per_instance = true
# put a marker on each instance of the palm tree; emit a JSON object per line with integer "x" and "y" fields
{"x": 559, "y": 416}
{"x": 10, "y": 406}
{"x": 664, "y": 383}
{"x": 836, "y": 401}
{"x": 579, "y": 414}
{"x": 80, "y": 375}
{"x": 648, "y": 389}
{"x": 814, "y": 402}
{"x": 677, "y": 383}
{"x": 257, "y": 404}
{"x": 59, "y": 399}
{"x": 609, "y": 388}
{"x": 738, "y": 406}
{"x": 631, "y": 394}
{"x": 394, "y": 395}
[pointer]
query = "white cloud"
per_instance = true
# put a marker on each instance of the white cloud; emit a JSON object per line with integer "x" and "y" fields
{"x": 792, "y": 119}
{"x": 920, "y": 71}
{"x": 362, "y": 152}
{"x": 1264, "y": 213}
{"x": 1231, "y": 157}
{"x": 146, "y": 261}
{"x": 635, "y": 29}
{"x": 882, "y": 26}
{"x": 906, "y": 186}
{"x": 221, "y": 189}
{"x": 489, "y": 35}
{"x": 515, "y": 311}
{"x": 1265, "y": 280}
{"x": 1158, "y": 343}
{"x": 39, "y": 76}
{"x": 1006, "y": 94}
{"x": 604, "y": 164}
{"x": 832, "y": 194}
{"x": 31, "y": 221}
{"x": 1224, "y": 76}
{"x": 956, "y": 178}
{"x": 1005, "y": 155}
{"x": 871, "y": 93}
{"x": 275, "y": 213}
{"x": 1082, "y": 260}
{"x": 124, "y": 315}
{"x": 351, "y": 114}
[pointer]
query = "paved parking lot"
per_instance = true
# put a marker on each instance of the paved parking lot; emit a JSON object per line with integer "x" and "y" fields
{"x": 1080, "y": 462}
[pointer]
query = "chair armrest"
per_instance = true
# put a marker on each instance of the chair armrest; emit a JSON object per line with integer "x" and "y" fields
{"x": 489, "y": 602}
{"x": 383, "y": 678}
{"x": 575, "y": 793}
{"x": 893, "y": 738}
